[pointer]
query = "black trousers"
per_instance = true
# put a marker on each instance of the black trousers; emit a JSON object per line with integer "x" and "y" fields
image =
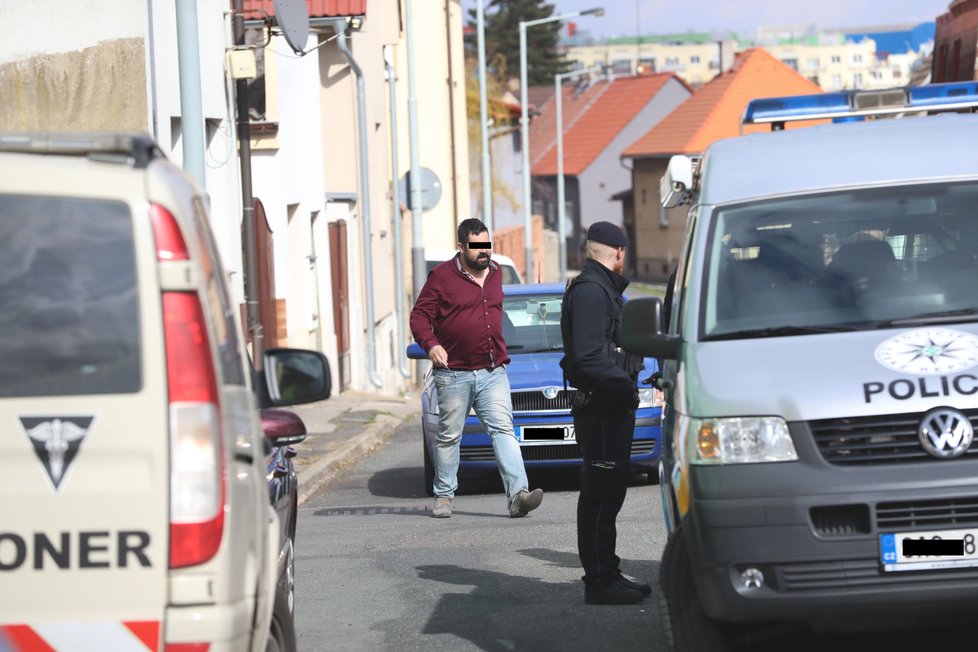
{"x": 604, "y": 429}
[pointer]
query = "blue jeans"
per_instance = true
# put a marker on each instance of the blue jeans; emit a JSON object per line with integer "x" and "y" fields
{"x": 488, "y": 391}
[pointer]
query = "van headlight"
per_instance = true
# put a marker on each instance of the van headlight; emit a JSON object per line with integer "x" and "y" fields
{"x": 744, "y": 440}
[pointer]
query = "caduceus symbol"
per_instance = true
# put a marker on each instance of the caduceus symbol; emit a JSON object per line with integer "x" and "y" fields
{"x": 56, "y": 436}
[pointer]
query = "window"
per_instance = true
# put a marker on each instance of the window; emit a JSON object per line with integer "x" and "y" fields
{"x": 621, "y": 66}
{"x": 70, "y": 318}
{"x": 836, "y": 81}
{"x": 857, "y": 79}
{"x": 226, "y": 337}
{"x": 876, "y": 75}
{"x": 814, "y": 63}
{"x": 791, "y": 62}
{"x": 646, "y": 65}
{"x": 836, "y": 58}
{"x": 672, "y": 61}
{"x": 857, "y": 58}
{"x": 847, "y": 259}
{"x": 694, "y": 59}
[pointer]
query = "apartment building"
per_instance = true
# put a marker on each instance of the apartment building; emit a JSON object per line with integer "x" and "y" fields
{"x": 839, "y": 59}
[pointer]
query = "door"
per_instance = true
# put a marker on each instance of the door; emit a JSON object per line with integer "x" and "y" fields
{"x": 341, "y": 298}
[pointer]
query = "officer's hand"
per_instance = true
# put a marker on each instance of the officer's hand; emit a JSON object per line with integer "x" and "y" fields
{"x": 635, "y": 400}
{"x": 438, "y": 356}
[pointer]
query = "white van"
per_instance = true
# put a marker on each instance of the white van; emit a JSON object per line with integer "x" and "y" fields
{"x": 134, "y": 508}
{"x": 821, "y": 370}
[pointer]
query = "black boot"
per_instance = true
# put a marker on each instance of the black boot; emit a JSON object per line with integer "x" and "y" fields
{"x": 644, "y": 589}
{"x": 617, "y": 593}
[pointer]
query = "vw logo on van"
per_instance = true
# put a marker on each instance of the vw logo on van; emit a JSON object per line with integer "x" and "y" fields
{"x": 550, "y": 392}
{"x": 945, "y": 433}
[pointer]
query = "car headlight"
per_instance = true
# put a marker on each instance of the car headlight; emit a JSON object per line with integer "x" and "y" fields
{"x": 649, "y": 398}
{"x": 744, "y": 440}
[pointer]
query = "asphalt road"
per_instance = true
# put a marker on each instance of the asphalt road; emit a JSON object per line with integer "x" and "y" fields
{"x": 376, "y": 572}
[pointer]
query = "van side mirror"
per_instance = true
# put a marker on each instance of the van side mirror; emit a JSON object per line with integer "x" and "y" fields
{"x": 641, "y": 329}
{"x": 295, "y": 376}
{"x": 676, "y": 184}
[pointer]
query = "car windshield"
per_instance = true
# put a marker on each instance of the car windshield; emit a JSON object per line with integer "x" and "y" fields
{"x": 849, "y": 260}
{"x": 531, "y": 324}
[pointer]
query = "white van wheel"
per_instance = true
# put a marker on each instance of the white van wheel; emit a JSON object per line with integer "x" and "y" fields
{"x": 686, "y": 626}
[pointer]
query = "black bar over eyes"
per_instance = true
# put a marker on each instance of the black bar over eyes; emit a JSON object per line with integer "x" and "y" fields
{"x": 480, "y": 245}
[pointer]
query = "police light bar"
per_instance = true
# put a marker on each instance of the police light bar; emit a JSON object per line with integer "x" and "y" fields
{"x": 857, "y": 104}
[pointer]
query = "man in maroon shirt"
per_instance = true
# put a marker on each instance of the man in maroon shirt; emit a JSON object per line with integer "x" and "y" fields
{"x": 458, "y": 320}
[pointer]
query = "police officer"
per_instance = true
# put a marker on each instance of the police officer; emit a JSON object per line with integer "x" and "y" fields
{"x": 604, "y": 410}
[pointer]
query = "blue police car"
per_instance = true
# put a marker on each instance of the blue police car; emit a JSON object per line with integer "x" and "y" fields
{"x": 541, "y": 405}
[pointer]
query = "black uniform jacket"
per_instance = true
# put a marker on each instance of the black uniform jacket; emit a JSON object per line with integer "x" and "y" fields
{"x": 594, "y": 314}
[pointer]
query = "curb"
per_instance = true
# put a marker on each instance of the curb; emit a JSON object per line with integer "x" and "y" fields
{"x": 312, "y": 478}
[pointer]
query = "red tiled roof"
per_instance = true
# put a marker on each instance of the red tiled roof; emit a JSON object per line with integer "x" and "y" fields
{"x": 611, "y": 108}
{"x": 317, "y": 8}
{"x": 543, "y": 127}
{"x": 714, "y": 111}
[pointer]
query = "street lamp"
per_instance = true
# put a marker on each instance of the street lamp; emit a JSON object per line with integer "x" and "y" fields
{"x": 525, "y": 126}
{"x": 561, "y": 228}
{"x": 484, "y": 117}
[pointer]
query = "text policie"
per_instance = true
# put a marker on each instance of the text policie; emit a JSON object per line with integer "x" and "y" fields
{"x": 905, "y": 389}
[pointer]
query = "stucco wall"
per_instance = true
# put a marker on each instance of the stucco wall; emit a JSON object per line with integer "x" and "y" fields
{"x": 102, "y": 87}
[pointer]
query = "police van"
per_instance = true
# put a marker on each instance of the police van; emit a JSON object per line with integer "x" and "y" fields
{"x": 134, "y": 508}
{"x": 821, "y": 368}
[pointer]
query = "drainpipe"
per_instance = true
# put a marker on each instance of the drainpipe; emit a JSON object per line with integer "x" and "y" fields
{"x": 341, "y": 26}
{"x": 191, "y": 104}
{"x": 417, "y": 247}
{"x": 396, "y": 214}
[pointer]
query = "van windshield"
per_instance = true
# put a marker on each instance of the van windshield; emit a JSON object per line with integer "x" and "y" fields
{"x": 864, "y": 258}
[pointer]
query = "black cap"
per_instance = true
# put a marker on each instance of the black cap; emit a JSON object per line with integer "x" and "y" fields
{"x": 607, "y": 233}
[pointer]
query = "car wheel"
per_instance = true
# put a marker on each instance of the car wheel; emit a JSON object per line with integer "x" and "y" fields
{"x": 281, "y": 635}
{"x": 686, "y": 626}
{"x": 429, "y": 468}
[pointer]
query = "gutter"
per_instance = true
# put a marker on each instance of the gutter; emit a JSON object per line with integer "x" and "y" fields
{"x": 341, "y": 27}
{"x": 396, "y": 214}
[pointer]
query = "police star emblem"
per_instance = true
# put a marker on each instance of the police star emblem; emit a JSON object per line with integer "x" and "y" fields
{"x": 929, "y": 351}
{"x": 56, "y": 442}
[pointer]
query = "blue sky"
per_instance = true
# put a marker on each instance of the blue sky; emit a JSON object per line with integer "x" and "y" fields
{"x": 665, "y": 16}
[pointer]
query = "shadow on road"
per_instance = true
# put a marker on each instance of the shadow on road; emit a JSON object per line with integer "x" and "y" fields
{"x": 504, "y": 613}
{"x": 408, "y": 482}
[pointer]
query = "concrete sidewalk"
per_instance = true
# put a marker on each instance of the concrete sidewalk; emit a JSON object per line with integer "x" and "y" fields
{"x": 342, "y": 429}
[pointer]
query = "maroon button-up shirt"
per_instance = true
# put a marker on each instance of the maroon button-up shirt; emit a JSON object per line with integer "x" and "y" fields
{"x": 467, "y": 320}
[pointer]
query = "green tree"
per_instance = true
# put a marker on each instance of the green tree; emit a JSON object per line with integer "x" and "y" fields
{"x": 543, "y": 60}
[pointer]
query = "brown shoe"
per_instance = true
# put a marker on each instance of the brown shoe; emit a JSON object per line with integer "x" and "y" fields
{"x": 525, "y": 502}
{"x": 443, "y": 507}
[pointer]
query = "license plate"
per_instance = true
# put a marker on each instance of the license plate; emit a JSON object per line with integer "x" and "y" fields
{"x": 907, "y": 551}
{"x": 548, "y": 434}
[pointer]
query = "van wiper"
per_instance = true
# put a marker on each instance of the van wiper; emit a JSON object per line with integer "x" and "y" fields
{"x": 932, "y": 317}
{"x": 780, "y": 331}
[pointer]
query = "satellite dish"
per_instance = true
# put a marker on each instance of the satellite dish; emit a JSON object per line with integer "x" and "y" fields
{"x": 292, "y": 17}
{"x": 430, "y": 188}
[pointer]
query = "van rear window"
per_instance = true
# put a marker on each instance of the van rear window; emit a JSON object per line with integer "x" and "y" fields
{"x": 69, "y": 311}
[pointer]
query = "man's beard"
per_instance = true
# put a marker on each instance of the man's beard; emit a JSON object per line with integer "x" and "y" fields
{"x": 480, "y": 261}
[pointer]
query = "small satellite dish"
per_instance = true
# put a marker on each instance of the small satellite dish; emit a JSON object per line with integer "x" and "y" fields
{"x": 292, "y": 17}
{"x": 430, "y": 188}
